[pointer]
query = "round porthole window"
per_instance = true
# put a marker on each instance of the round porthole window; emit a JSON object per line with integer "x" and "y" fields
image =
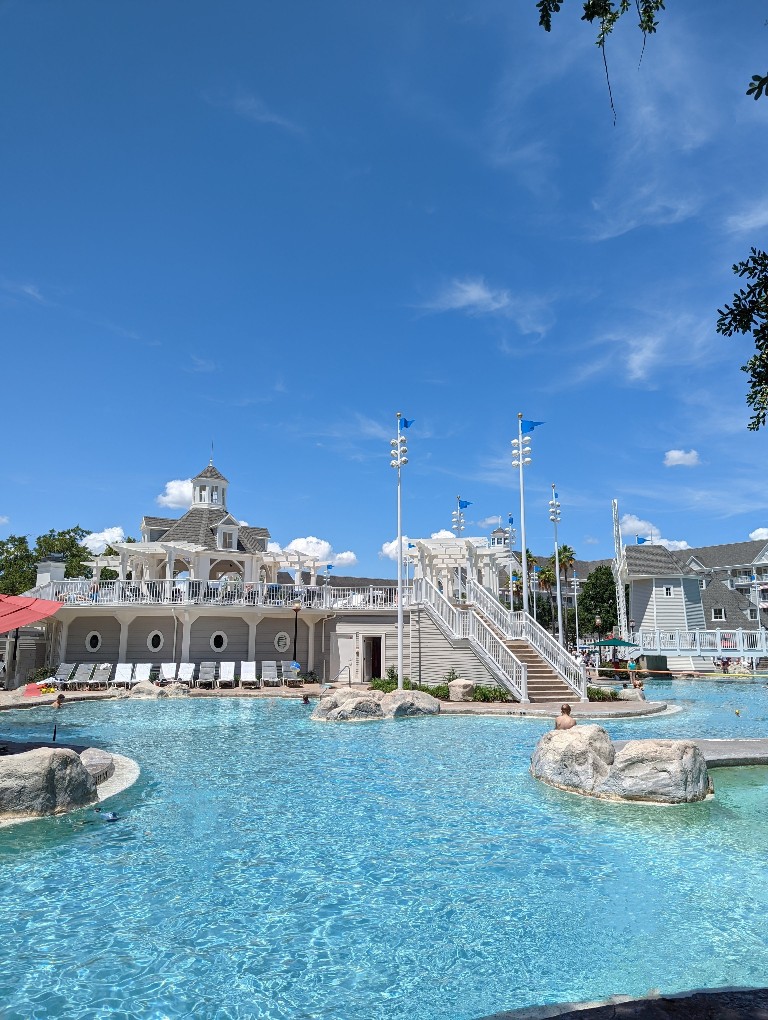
{"x": 218, "y": 641}
{"x": 282, "y": 641}
{"x": 155, "y": 641}
{"x": 93, "y": 641}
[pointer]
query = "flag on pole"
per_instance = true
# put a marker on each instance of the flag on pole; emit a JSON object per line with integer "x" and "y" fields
{"x": 464, "y": 503}
{"x": 529, "y": 426}
{"x": 640, "y": 541}
{"x": 407, "y": 424}
{"x": 511, "y": 519}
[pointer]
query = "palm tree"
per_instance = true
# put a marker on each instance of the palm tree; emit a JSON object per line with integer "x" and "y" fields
{"x": 567, "y": 560}
{"x": 548, "y": 582}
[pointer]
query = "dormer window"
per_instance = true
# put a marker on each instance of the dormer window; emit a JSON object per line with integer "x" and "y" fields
{"x": 226, "y": 540}
{"x": 718, "y": 615}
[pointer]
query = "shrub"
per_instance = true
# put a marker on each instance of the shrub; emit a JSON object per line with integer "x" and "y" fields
{"x": 490, "y": 694}
{"x": 598, "y": 694}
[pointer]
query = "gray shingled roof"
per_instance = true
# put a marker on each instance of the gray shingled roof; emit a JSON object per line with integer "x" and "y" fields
{"x": 197, "y": 526}
{"x": 719, "y": 596}
{"x": 732, "y": 554}
{"x": 158, "y": 522}
{"x": 212, "y": 472}
{"x": 653, "y": 561}
{"x": 252, "y": 539}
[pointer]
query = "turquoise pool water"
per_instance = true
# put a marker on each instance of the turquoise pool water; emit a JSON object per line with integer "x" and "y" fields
{"x": 268, "y": 867}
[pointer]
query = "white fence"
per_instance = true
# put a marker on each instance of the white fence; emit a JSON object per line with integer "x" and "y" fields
{"x": 221, "y": 593}
{"x": 522, "y": 627}
{"x": 707, "y": 643}
{"x": 458, "y": 623}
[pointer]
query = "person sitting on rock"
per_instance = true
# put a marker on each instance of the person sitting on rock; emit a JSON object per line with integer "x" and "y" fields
{"x": 564, "y": 720}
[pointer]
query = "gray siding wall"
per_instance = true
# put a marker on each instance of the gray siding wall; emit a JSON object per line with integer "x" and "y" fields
{"x": 201, "y": 631}
{"x": 433, "y": 654}
{"x": 81, "y": 627}
{"x": 138, "y": 632}
{"x": 266, "y": 632}
{"x": 693, "y": 606}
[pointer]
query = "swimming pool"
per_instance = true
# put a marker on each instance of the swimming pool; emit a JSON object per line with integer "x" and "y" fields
{"x": 269, "y": 867}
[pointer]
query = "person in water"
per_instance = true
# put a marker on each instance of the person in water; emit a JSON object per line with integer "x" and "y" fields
{"x": 59, "y": 701}
{"x": 564, "y": 720}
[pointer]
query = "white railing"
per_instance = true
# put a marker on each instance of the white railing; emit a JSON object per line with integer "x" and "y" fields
{"x": 87, "y": 593}
{"x": 522, "y": 627}
{"x": 704, "y": 642}
{"x": 457, "y": 623}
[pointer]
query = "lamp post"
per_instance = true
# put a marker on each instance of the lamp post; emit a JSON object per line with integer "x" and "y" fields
{"x": 398, "y": 455}
{"x": 457, "y": 517}
{"x": 554, "y": 516}
{"x": 296, "y": 607}
{"x": 598, "y": 625}
{"x": 576, "y": 606}
{"x": 511, "y": 539}
{"x": 520, "y": 459}
{"x": 535, "y": 589}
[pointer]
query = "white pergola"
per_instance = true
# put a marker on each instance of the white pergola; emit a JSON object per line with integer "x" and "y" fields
{"x": 449, "y": 562}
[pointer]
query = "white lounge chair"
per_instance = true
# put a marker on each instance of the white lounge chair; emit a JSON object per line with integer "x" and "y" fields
{"x": 81, "y": 676}
{"x": 289, "y": 671}
{"x": 167, "y": 672}
{"x": 248, "y": 677}
{"x": 206, "y": 676}
{"x": 62, "y": 674}
{"x": 226, "y": 674}
{"x": 100, "y": 677}
{"x": 269, "y": 675}
{"x": 141, "y": 673}
{"x": 123, "y": 675}
{"x": 186, "y": 672}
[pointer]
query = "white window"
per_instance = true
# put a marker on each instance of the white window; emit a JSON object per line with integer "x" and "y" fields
{"x": 668, "y": 591}
{"x": 226, "y": 540}
{"x": 155, "y": 641}
{"x": 702, "y": 583}
{"x": 718, "y": 614}
{"x": 218, "y": 641}
{"x": 201, "y": 494}
{"x": 93, "y": 641}
{"x": 214, "y": 494}
{"x": 753, "y": 613}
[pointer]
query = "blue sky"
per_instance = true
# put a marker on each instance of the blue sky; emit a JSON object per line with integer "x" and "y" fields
{"x": 271, "y": 226}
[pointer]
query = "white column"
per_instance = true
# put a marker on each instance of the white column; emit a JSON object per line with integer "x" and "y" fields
{"x": 310, "y": 643}
{"x": 125, "y": 621}
{"x": 253, "y": 623}
{"x": 187, "y": 619}
{"x": 62, "y": 642}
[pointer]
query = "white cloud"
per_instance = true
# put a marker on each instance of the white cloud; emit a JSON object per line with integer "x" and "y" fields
{"x": 321, "y": 550}
{"x": 632, "y": 526}
{"x": 4, "y": 519}
{"x": 473, "y": 296}
{"x": 388, "y": 550}
{"x": 98, "y": 541}
{"x": 759, "y": 535}
{"x": 443, "y": 533}
{"x": 494, "y": 521}
{"x": 681, "y": 458}
{"x": 254, "y": 108}
{"x": 274, "y": 547}
{"x": 243, "y": 524}
{"x": 201, "y": 364}
{"x": 178, "y": 493}
{"x": 590, "y": 540}
{"x": 749, "y": 220}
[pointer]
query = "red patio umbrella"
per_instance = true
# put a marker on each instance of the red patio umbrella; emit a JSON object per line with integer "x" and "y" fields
{"x": 19, "y": 611}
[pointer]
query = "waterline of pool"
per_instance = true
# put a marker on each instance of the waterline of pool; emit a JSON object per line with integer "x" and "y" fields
{"x": 267, "y": 866}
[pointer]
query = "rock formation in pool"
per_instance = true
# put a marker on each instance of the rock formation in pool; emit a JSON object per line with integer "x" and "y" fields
{"x": 583, "y": 760}
{"x": 349, "y": 705}
{"x": 45, "y": 781}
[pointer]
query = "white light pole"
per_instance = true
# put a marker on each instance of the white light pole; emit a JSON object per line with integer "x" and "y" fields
{"x": 512, "y": 538}
{"x": 457, "y": 517}
{"x": 520, "y": 459}
{"x": 535, "y": 589}
{"x": 576, "y": 607}
{"x": 554, "y": 516}
{"x": 399, "y": 460}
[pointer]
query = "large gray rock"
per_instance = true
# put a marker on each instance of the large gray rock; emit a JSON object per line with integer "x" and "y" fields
{"x": 360, "y": 709}
{"x": 146, "y": 689}
{"x": 665, "y": 771}
{"x": 460, "y": 690}
{"x": 583, "y": 760}
{"x": 177, "y": 690}
{"x": 46, "y": 781}
{"x": 577, "y": 759}
{"x": 631, "y": 694}
{"x": 399, "y": 704}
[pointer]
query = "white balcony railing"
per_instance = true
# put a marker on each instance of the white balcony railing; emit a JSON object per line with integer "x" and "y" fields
{"x": 709, "y": 643}
{"x": 85, "y": 593}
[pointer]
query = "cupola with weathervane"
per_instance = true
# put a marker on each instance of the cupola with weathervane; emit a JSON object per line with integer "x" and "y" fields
{"x": 209, "y": 488}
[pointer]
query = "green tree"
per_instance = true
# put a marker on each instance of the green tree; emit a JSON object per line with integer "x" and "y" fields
{"x": 748, "y": 312}
{"x": 18, "y": 562}
{"x": 598, "y": 598}
{"x": 567, "y": 558}
{"x": 548, "y": 584}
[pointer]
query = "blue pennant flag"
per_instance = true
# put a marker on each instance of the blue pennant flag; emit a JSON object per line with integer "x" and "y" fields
{"x": 511, "y": 519}
{"x": 640, "y": 541}
{"x": 557, "y": 495}
{"x": 329, "y": 566}
{"x": 529, "y": 426}
{"x": 411, "y": 545}
{"x": 464, "y": 503}
{"x": 407, "y": 424}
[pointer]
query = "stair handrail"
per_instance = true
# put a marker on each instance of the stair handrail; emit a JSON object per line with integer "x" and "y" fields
{"x": 459, "y": 623}
{"x": 520, "y": 625}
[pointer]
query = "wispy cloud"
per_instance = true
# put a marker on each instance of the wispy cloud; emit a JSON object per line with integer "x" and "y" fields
{"x": 23, "y": 290}
{"x": 681, "y": 458}
{"x": 201, "y": 364}
{"x": 253, "y": 108}
{"x": 473, "y": 296}
{"x": 748, "y": 220}
{"x": 4, "y": 519}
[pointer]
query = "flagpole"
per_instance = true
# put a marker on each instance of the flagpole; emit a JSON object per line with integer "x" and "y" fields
{"x": 524, "y": 557}
{"x": 398, "y": 460}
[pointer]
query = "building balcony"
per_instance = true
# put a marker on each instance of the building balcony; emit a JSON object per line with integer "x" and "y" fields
{"x": 87, "y": 594}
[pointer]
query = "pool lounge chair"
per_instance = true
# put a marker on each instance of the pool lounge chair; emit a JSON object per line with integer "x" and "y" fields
{"x": 289, "y": 671}
{"x": 62, "y": 674}
{"x": 226, "y": 674}
{"x": 80, "y": 677}
{"x": 123, "y": 675}
{"x": 186, "y": 673}
{"x": 100, "y": 678}
{"x": 141, "y": 673}
{"x": 207, "y": 675}
{"x": 167, "y": 672}
{"x": 269, "y": 675}
{"x": 248, "y": 677}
